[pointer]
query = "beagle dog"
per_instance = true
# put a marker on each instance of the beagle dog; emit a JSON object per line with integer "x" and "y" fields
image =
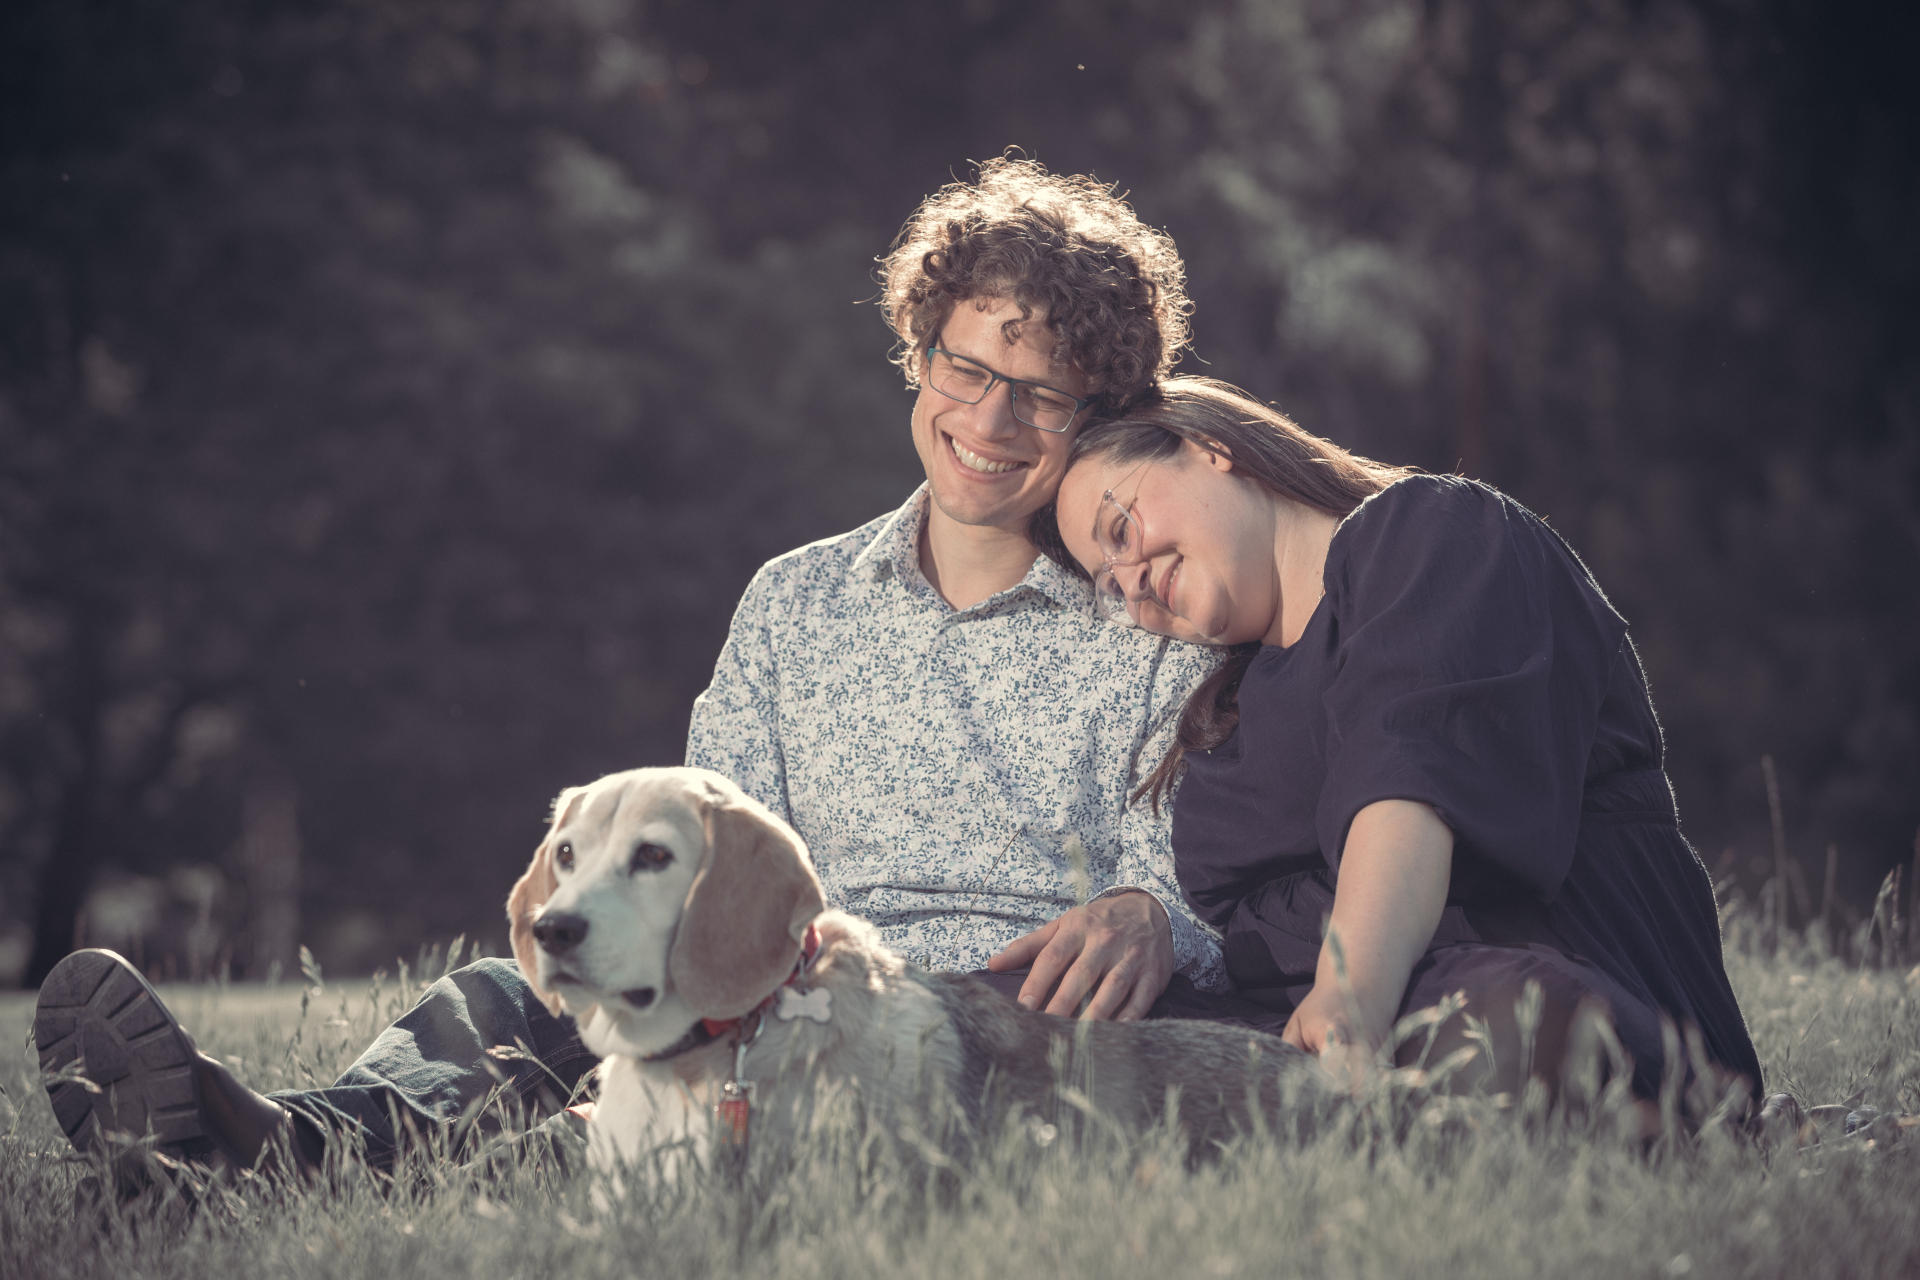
{"x": 680, "y": 922}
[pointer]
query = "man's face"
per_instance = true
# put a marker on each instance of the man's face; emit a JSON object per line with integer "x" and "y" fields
{"x": 985, "y": 468}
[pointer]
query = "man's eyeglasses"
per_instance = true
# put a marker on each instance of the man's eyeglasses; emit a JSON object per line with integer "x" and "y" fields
{"x": 968, "y": 381}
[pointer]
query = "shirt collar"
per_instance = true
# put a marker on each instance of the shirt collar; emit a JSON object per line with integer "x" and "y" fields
{"x": 895, "y": 549}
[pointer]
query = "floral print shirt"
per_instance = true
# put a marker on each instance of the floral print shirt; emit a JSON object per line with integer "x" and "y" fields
{"x": 940, "y": 762}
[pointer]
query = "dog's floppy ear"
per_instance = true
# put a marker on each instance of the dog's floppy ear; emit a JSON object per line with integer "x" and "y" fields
{"x": 746, "y": 911}
{"x": 530, "y": 893}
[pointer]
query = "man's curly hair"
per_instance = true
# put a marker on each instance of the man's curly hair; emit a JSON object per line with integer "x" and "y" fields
{"x": 1112, "y": 289}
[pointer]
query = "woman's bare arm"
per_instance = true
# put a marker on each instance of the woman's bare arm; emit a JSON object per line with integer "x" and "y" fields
{"x": 1387, "y": 901}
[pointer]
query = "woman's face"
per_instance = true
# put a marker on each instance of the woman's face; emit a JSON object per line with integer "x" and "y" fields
{"x": 1200, "y": 561}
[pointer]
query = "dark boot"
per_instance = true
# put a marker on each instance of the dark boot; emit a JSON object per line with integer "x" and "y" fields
{"x": 118, "y": 1066}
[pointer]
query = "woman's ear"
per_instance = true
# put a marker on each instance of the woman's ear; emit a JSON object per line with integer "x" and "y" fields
{"x": 1211, "y": 452}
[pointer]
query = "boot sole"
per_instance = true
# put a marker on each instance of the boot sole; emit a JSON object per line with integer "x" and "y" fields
{"x": 97, "y": 1013}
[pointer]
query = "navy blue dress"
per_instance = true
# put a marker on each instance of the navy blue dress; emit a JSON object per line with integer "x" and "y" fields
{"x": 1463, "y": 657}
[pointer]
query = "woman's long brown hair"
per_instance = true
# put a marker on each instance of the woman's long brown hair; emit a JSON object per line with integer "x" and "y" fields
{"x": 1267, "y": 449}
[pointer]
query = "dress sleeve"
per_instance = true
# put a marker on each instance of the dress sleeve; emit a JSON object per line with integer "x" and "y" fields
{"x": 1471, "y": 661}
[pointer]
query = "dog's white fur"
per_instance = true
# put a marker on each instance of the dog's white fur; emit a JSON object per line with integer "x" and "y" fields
{"x": 695, "y": 899}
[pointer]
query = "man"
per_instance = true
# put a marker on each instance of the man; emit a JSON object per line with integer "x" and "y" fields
{"x": 930, "y": 702}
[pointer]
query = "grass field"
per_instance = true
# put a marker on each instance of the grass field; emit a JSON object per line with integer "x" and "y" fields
{"x": 1457, "y": 1190}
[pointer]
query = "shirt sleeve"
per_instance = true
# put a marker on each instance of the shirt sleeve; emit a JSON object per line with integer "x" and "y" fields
{"x": 1146, "y": 853}
{"x": 1472, "y": 659}
{"x": 735, "y": 726}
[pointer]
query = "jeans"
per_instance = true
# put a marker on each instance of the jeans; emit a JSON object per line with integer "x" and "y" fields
{"x": 429, "y": 1079}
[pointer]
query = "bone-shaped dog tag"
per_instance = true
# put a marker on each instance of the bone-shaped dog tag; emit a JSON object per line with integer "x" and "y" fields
{"x": 816, "y": 1005}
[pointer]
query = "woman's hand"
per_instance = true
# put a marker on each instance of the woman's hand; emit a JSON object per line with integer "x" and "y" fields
{"x": 1325, "y": 1019}
{"x": 1335, "y": 1025}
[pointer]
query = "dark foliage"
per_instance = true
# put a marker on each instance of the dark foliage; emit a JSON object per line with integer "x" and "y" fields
{"x": 395, "y": 398}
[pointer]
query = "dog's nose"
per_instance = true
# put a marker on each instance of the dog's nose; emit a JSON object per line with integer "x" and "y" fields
{"x": 638, "y": 997}
{"x": 559, "y": 932}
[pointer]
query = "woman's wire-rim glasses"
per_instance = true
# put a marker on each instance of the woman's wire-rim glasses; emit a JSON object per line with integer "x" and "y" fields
{"x": 1121, "y": 542}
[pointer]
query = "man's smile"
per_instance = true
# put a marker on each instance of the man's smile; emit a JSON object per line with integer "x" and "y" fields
{"x": 976, "y": 462}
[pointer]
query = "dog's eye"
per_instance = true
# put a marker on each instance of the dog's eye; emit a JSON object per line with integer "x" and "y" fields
{"x": 650, "y": 857}
{"x": 563, "y": 855}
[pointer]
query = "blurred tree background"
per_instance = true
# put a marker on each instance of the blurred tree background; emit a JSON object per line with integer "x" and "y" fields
{"x": 394, "y": 398}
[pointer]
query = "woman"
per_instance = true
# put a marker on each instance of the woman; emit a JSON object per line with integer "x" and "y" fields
{"x": 1435, "y": 736}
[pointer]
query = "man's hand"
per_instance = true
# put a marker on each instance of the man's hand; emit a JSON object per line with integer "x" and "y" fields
{"x": 1118, "y": 950}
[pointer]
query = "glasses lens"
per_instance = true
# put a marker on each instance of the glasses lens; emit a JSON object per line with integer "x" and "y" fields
{"x": 1117, "y": 532}
{"x": 954, "y": 376}
{"x": 1042, "y": 408}
{"x": 1109, "y": 601}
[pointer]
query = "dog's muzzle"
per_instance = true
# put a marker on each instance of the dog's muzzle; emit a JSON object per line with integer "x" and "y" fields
{"x": 559, "y": 932}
